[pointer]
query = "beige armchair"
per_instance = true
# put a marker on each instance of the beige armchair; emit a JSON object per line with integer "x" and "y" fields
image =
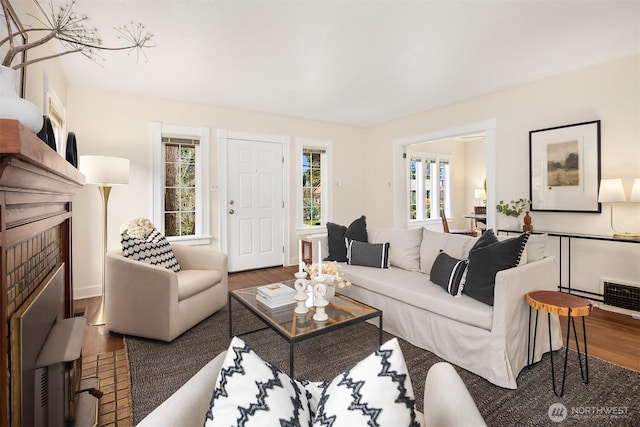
{"x": 152, "y": 302}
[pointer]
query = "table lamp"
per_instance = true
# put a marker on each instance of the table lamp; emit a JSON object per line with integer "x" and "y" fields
{"x": 612, "y": 191}
{"x": 103, "y": 171}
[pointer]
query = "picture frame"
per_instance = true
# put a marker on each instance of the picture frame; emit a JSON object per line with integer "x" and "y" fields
{"x": 564, "y": 168}
{"x": 16, "y": 27}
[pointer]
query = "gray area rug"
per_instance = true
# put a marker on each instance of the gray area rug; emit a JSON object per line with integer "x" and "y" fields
{"x": 610, "y": 399}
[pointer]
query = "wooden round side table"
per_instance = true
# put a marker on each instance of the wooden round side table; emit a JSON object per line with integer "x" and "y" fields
{"x": 562, "y": 304}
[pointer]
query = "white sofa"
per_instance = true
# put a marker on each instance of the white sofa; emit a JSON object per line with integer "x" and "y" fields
{"x": 447, "y": 401}
{"x": 490, "y": 341}
{"x": 153, "y": 302}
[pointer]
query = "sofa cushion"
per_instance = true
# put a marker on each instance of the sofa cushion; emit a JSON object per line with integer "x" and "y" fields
{"x": 153, "y": 249}
{"x": 338, "y": 234}
{"x": 404, "y": 245}
{"x": 368, "y": 254}
{"x": 416, "y": 290}
{"x": 486, "y": 261}
{"x": 252, "y": 392}
{"x": 447, "y": 272}
{"x": 192, "y": 282}
{"x": 434, "y": 242}
{"x": 376, "y": 391}
{"x": 536, "y": 247}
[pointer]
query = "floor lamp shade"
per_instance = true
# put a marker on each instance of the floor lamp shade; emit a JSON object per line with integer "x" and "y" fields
{"x": 104, "y": 171}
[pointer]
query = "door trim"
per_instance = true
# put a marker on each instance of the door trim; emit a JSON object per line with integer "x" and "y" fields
{"x": 224, "y": 135}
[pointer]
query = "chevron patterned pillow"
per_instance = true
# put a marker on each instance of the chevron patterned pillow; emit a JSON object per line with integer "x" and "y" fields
{"x": 377, "y": 391}
{"x": 153, "y": 249}
{"x": 252, "y": 392}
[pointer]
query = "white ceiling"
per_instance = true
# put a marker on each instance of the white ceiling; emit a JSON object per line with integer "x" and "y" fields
{"x": 351, "y": 62}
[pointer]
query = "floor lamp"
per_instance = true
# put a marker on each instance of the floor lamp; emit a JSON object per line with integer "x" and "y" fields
{"x": 104, "y": 172}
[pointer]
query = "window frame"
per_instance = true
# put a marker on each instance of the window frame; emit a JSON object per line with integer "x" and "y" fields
{"x": 325, "y": 181}
{"x": 431, "y": 159}
{"x": 203, "y": 201}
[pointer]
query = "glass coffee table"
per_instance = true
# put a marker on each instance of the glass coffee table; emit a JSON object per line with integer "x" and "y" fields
{"x": 342, "y": 310}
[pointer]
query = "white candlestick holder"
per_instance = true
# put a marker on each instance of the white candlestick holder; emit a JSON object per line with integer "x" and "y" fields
{"x": 301, "y": 296}
{"x": 320, "y": 303}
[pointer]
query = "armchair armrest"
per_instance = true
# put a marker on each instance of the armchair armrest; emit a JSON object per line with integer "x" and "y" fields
{"x": 447, "y": 401}
{"x": 190, "y": 403}
{"x": 198, "y": 258}
{"x": 135, "y": 287}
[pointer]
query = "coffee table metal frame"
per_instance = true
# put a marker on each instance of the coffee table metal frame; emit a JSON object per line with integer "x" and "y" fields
{"x": 246, "y": 297}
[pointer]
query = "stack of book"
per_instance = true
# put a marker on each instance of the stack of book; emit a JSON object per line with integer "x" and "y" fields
{"x": 276, "y": 295}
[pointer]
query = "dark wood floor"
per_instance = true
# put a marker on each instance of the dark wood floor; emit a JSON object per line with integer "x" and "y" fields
{"x": 611, "y": 336}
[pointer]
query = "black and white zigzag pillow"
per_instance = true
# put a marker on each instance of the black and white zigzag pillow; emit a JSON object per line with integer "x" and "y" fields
{"x": 154, "y": 249}
{"x": 375, "y": 392}
{"x": 252, "y": 392}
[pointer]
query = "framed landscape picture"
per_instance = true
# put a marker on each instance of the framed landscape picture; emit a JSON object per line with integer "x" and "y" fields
{"x": 564, "y": 168}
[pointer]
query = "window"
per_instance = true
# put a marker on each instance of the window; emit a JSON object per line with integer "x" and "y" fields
{"x": 56, "y": 113}
{"x": 313, "y": 179}
{"x": 429, "y": 185}
{"x": 180, "y": 186}
{"x": 181, "y": 182}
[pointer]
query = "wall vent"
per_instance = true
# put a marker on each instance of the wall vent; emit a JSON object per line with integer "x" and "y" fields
{"x": 621, "y": 295}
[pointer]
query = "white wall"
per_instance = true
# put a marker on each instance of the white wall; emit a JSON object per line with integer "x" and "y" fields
{"x": 609, "y": 92}
{"x": 117, "y": 124}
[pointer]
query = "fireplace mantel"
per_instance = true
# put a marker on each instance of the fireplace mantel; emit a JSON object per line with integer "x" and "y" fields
{"x": 36, "y": 189}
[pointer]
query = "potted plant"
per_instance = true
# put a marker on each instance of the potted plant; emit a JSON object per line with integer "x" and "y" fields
{"x": 73, "y": 33}
{"x": 514, "y": 208}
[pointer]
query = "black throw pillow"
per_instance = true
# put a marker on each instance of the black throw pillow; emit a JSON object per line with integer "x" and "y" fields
{"x": 368, "y": 254}
{"x": 487, "y": 238}
{"x": 335, "y": 240}
{"x": 357, "y": 230}
{"x": 486, "y": 261}
{"x": 337, "y": 236}
{"x": 447, "y": 272}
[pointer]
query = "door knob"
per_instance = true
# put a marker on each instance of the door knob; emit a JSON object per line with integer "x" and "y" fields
{"x": 231, "y": 211}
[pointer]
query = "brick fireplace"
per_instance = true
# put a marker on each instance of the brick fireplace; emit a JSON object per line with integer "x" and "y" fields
{"x": 36, "y": 190}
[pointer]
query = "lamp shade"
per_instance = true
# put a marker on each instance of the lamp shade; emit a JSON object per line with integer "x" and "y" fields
{"x": 479, "y": 193}
{"x": 105, "y": 169}
{"x": 611, "y": 190}
{"x": 635, "y": 191}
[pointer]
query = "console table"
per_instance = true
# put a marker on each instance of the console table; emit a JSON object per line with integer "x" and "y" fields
{"x": 569, "y": 237}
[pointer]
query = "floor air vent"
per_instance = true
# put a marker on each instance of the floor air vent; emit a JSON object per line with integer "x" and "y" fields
{"x": 623, "y": 296}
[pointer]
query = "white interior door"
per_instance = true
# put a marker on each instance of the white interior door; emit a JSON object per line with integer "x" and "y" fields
{"x": 255, "y": 212}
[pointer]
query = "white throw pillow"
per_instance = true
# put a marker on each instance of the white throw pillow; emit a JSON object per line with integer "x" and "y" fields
{"x": 404, "y": 246}
{"x": 535, "y": 250}
{"x": 375, "y": 392}
{"x": 252, "y": 392}
{"x": 536, "y": 247}
{"x": 433, "y": 242}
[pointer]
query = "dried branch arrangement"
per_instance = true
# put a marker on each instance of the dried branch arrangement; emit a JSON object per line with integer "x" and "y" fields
{"x": 72, "y": 30}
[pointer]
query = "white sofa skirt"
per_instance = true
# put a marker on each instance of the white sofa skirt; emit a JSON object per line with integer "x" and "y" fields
{"x": 497, "y": 355}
